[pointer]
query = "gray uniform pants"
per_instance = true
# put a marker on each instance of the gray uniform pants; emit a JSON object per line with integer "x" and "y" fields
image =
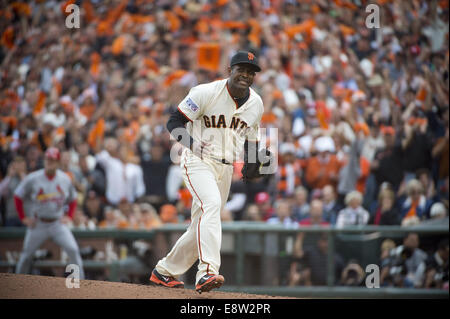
{"x": 37, "y": 235}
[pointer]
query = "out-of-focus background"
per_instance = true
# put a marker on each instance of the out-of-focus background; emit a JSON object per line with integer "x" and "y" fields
{"x": 362, "y": 118}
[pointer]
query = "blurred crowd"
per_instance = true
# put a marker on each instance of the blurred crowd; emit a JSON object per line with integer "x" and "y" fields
{"x": 362, "y": 113}
{"x": 402, "y": 263}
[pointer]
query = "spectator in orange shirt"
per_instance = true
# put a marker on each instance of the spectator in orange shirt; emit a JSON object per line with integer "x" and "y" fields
{"x": 323, "y": 169}
{"x": 416, "y": 203}
{"x": 44, "y": 137}
{"x": 149, "y": 217}
{"x": 113, "y": 218}
{"x": 289, "y": 171}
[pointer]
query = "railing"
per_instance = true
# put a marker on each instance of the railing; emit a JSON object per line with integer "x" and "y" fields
{"x": 239, "y": 229}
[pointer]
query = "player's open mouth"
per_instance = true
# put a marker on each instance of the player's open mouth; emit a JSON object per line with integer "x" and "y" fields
{"x": 243, "y": 82}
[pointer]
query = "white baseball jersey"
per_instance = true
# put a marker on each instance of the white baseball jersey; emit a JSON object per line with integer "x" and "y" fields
{"x": 216, "y": 119}
{"x": 48, "y": 196}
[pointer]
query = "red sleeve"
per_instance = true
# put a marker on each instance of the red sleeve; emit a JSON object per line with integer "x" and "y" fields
{"x": 72, "y": 207}
{"x": 19, "y": 207}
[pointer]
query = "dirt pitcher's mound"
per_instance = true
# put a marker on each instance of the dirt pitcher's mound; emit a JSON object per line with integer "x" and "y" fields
{"x": 35, "y": 287}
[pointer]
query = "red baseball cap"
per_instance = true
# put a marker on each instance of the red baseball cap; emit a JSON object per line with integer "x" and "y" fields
{"x": 53, "y": 153}
{"x": 262, "y": 197}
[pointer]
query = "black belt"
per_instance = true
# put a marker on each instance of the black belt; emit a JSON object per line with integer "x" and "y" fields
{"x": 222, "y": 160}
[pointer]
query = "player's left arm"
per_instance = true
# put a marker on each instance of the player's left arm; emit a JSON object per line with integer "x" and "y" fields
{"x": 190, "y": 109}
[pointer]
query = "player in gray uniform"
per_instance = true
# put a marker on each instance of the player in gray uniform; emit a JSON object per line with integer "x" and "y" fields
{"x": 49, "y": 190}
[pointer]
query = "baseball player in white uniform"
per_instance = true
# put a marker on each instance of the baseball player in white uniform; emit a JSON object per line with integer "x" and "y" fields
{"x": 222, "y": 118}
{"x": 49, "y": 189}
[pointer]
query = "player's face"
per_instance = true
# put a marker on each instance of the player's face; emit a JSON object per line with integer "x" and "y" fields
{"x": 242, "y": 75}
{"x": 51, "y": 165}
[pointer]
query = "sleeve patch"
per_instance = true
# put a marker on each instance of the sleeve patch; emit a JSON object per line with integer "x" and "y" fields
{"x": 194, "y": 107}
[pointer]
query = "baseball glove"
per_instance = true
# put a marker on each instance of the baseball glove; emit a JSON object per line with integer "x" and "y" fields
{"x": 252, "y": 170}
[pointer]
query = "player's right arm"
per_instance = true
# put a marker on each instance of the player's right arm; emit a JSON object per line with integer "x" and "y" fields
{"x": 177, "y": 128}
{"x": 189, "y": 110}
{"x": 23, "y": 191}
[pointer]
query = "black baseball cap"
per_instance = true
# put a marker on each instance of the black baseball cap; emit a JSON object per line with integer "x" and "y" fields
{"x": 245, "y": 57}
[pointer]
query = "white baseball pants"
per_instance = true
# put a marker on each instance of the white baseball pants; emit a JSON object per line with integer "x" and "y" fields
{"x": 209, "y": 183}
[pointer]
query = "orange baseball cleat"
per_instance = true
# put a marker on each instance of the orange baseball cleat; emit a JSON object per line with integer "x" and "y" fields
{"x": 209, "y": 282}
{"x": 166, "y": 281}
